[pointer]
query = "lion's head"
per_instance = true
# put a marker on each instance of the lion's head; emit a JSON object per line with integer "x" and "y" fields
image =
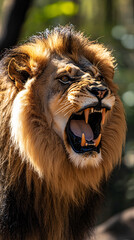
{"x": 66, "y": 120}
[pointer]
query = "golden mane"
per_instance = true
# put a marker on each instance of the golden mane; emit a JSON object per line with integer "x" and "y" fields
{"x": 34, "y": 153}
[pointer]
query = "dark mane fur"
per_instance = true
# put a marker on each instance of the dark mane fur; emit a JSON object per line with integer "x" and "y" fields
{"x": 18, "y": 217}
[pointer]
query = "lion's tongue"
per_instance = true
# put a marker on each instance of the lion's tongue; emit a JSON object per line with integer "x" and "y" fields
{"x": 79, "y": 126}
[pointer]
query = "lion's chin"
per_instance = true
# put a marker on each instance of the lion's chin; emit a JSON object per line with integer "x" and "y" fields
{"x": 85, "y": 160}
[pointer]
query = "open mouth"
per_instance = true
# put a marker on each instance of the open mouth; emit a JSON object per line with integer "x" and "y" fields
{"x": 83, "y": 129}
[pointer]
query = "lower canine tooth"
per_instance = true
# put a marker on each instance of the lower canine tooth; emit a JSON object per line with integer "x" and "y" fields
{"x": 83, "y": 140}
{"x": 97, "y": 140}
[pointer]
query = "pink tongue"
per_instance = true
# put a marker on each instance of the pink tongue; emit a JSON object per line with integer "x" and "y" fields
{"x": 79, "y": 126}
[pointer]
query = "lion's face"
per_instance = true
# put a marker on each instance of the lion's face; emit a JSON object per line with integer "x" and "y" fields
{"x": 66, "y": 117}
{"x": 79, "y": 108}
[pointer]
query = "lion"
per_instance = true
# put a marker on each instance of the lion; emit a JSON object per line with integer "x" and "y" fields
{"x": 62, "y": 131}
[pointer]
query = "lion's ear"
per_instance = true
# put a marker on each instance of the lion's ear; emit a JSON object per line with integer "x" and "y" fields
{"x": 19, "y": 70}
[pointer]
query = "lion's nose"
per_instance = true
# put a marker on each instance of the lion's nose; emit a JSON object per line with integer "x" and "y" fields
{"x": 99, "y": 92}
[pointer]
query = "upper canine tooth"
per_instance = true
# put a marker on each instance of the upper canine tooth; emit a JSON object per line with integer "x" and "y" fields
{"x": 83, "y": 140}
{"x": 103, "y": 115}
{"x": 86, "y": 113}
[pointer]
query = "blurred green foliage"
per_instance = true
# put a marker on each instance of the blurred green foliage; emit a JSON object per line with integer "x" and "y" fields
{"x": 110, "y": 22}
{"x": 42, "y": 15}
{"x": 60, "y": 8}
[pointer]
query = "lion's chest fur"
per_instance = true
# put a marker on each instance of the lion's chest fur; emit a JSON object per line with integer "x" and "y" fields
{"x": 41, "y": 215}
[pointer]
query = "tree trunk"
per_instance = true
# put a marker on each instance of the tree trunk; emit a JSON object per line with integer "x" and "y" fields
{"x": 12, "y": 22}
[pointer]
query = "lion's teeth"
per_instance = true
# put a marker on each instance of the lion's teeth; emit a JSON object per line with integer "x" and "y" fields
{"x": 103, "y": 115}
{"x": 97, "y": 140}
{"x": 83, "y": 140}
{"x": 92, "y": 110}
{"x": 86, "y": 113}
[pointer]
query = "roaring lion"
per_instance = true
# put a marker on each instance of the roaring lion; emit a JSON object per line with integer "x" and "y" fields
{"x": 62, "y": 130}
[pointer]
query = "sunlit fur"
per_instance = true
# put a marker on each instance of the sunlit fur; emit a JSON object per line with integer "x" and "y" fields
{"x": 32, "y": 147}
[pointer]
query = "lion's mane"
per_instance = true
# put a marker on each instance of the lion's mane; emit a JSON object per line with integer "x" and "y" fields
{"x": 43, "y": 196}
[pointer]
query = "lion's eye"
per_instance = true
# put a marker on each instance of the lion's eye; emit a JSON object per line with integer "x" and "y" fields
{"x": 65, "y": 79}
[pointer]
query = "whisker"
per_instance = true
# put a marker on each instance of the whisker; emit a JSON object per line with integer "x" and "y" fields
{"x": 63, "y": 108}
{"x": 69, "y": 111}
